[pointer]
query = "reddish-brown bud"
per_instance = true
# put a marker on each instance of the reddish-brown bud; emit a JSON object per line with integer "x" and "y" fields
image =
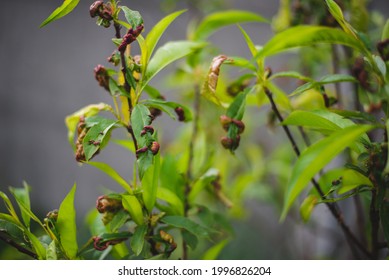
{"x": 225, "y": 121}
{"x": 226, "y": 142}
{"x": 95, "y": 8}
{"x": 154, "y": 148}
{"x": 102, "y": 76}
{"x": 130, "y": 37}
{"x": 141, "y": 151}
{"x": 240, "y": 125}
{"x": 383, "y": 49}
{"x": 180, "y": 113}
{"x": 268, "y": 72}
{"x": 107, "y": 204}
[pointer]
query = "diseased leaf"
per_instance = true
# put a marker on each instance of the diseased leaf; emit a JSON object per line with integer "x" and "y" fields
{"x": 134, "y": 18}
{"x": 157, "y": 31}
{"x": 217, "y": 20}
{"x": 138, "y": 239}
{"x": 189, "y": 225}
{"x": 305, "y": 35}
{"x": 315, "y": 157}
{"x": 150, "y": 184}
{"x": 176, "y": 204}
{"x": 140, "y": 118}
{"x": 169, "y": 108}
{"x": 66, "y": 7}
{"x": 66, "y": 224}
{"x": 132, "y": 205}
{"x": 111, "y": 173}
{"x": 167, "y": 54}
{"x": 88, "y": 111}
{"x": 213, "y": 252}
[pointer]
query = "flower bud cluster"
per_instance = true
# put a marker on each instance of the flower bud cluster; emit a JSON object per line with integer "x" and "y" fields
{"x": 103, "y": 11}
{"x": 231, "y": 143}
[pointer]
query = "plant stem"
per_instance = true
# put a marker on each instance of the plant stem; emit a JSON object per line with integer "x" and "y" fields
{"x": 18, "y": 247}
{"x": 375, "y": 219}
{"x": 334, "y": 209}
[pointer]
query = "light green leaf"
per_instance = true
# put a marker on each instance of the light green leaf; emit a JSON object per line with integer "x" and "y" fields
{"x": 169, "y": 108}
{"x": 138, "y": 239}
{"x": 132, "y": 205}
{"x": 315, "y": 157}
{"x": 145, "y": 161}
{"x": 337, "y": 13}
{"x": 307, "y": 35}
{"x": 307, "y": 207}
{"x": 38, "y": 246}
{"x": 190, "y": 239}
{"x": 291, "y": 74}
{"x": 203, "y": 182}
{"x": 133, "y": 17}
{"x": 213, "y": 252}
{"x": 249, "y": 42}
{"x": 352, "y": 179}
{"x": 10, "y": 208}
{"x": 112, "y": 173}
{"x": 385, "y": 31}
{"x": 88, "y": 111}
{"x": 157, "y": 31}
{"x": 11, "y": 231}
{"x": 23, "y": 196}
{"x": 217, "y": 20}
{"x": 185, "y": 223}
{"x": 329, "y": 79}
{"x": 51, "y": 251}
{"x": 176, "y": 204}
{"x": 167, "y": 54}
{"x": 150, "y": 184}
{"x": 66, "y": 225}
{"x": 66, "y": 7}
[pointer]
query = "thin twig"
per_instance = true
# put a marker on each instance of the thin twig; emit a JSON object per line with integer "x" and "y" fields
{"x": 334, "y": 209}
{"x": 18, "y": 247}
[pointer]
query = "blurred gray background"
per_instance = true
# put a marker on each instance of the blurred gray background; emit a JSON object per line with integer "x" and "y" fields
{"x": 47, "y": 74}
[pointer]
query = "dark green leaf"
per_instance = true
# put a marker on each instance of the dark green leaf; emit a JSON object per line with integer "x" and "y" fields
{"x": 133, "y": 17}
{"x": 66, "y": 224}
{"x": 189, "y": 225}
{"x": 138, "y": 239}
{"x": 145, "y": 161}
{"x": 12, "y": 231}
{"x": 291, "y": 74}
{"x": 115, "y": 89}
{"x": 157, "y": 31}
{"x": 355, "y": 115}
{"x": 112, "y": 173}
{"x": 120, "y": 218}
{"x": 303, "y": 35}
{"x": 97, "y": 136}
{"x": 167, "y": 54}
{"x": 218, "y": 20}
{"x": 23, "y": 196}
{"x": 133, "y": 206}
{"x": 169, "y": 108}
{"x": 190, "y": 239}
{"x": 150, "y": 184}
{"x": 140, "y": 117}
{"x": 315, "y": 157}
{"x": 237, "y": 107}
{"x": 66, "y": 7}
{"x": 385, "y": 220}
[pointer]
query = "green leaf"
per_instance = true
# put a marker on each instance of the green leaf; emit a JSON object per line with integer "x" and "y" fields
{"x": 189, "y": 225}
{"x": 352, "y": 179}
{"x": 115, "y": 89}
{"x": 337, "y": 13}
{"x": 217, "y": 20}
{"x": 66, "y": 224}
{"x": 112, "y": 173}
{"x": 120, "y": 218}
{"x": 132, "y": 205}
{"x": 204, "y": 181}
{"x": 291, "y": 74}
{"x": 385, "y": 220}
{"x": 167, "y": 54}
{"x": 169, "y": 108}
{"x": 40, "y": 250}
{"x": 88, "y": 111}
{"x": 23, "y": 196}
{"x": 156, "y": 32}
{"x": 97, "y": 136}
{"x": 307, "y": 207}
{"x": 249, "y": 42}
{"x": 133, "y": 17}
{"x": 329, "y": 79}
{"x": 315, "y": 157}
{"x": 12, "y": 231}
{"x": 145, "y": 161}
{"x": 213, "y": 252}
{"x": 190, "y": 239}
{"x": 10, "y": 208}
{"x": 138, "y": 239}
{"x": 176, "y": 204}
{"x": 140, "y": 117}
{"x": 385, "y": 31}
{"x": 150, "y": 184}
{"x": 66, "y": 7}
{"x": 306, "y": 35}
{"x": 237, "y": 107}
{"x": 51, "y": 251}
